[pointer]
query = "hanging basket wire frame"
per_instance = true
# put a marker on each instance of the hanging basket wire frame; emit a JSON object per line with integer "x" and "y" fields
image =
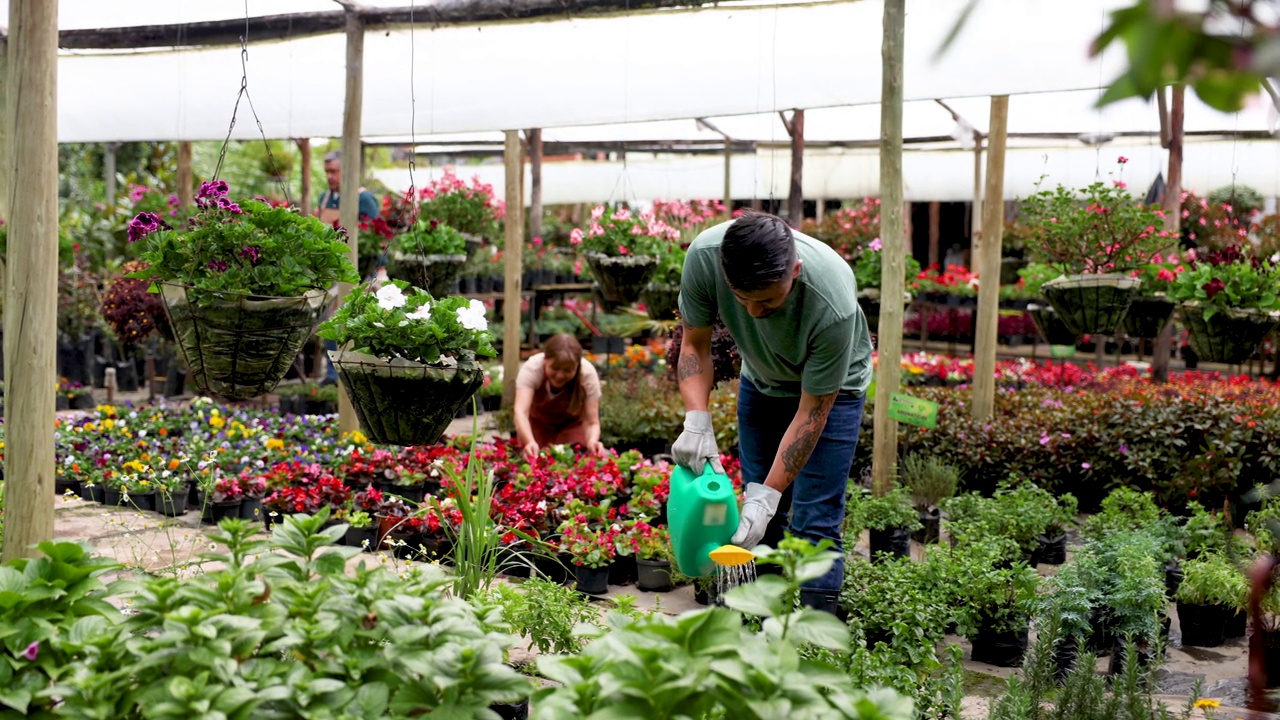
{"x": 434, "y": 273}
{"x": 402, "y": 402}
{"x": 240, "y": 346}
{"x": 621, "y": 279}
{"x": 1092, "y": 304}
{"x": 1231, "y": 336}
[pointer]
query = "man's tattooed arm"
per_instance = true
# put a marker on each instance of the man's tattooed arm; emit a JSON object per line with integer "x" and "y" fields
{"x": 800, "y": 439}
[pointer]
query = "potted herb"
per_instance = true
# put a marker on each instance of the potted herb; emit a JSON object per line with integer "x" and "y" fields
{"x": 1212, "y": 590}
{"x": 1071, "y": 601}
{"x": 891, "y": 518}
{"x": 1133, "y": 596}
{"x": 1227, "y": 300}
{"x": 430, "y": 255}
{"x": 1095, "y": 236}
{"x": 930, "y": 480}
{"x": 996, "y": 598}
{"x": 653, "y": 557}
{"x": 472, "y": 210}
{"x": 244, "y": 286}
{"x": 1052, "y": 543}
{"x": 624, "y": 250}
{"x": 407, "y": 361}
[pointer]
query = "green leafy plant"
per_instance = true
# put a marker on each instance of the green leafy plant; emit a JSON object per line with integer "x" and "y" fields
{"x": 467, "y": 208}
{"x": 1212, "y": 579}
{"x": 359, "y": 519}
{"x": 431, "y": 237}
{"x": 671, "y": 268}
{"x": 547, "y": 613}
{"x": 1096, "y": 229}
{"x": 394, "y": 324}
{"x": 894, "y": 509}
{"x": 996, "y": 592}
{"x": 1205, "y": 532}
{"x": 1073, "y": 596}
{"x": 1133, "y": 586}
{"x": 477, "y": 539}
{"x": 1228, "y": 279}
{"x": 248, "y": 249}
{"x": 867, "y": 269}
{"x": 709, "y": 665}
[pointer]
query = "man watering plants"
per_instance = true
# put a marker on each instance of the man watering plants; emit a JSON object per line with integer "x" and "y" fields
{"x": 789, "y": 302}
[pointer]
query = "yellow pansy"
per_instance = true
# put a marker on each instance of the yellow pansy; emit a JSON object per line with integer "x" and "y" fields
{"x": 275, "y": 444}
{"x": 108, "y": 424}
{"x": 217, "y": 421}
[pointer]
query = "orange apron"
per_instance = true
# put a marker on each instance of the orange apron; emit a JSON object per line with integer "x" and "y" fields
{"x": 551, "y": 421}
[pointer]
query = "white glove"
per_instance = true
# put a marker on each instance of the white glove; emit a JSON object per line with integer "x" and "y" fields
{"x": 757, "y": 511}
{"x": 697, "y": 444}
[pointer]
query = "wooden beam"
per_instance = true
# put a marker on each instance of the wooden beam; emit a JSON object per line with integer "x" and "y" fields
{"x": 975, "y": 215}
{"x": 984, "y": 357}
{"x": 935, "y": 230}
{"x": 1172, "y": 219}
{"x": 1162, "y": 107}
{"x": 299, "y": 25}
{"x": 186, "y": 178}
{"x": 728, "y": 175}
{"x": 304, "y": 163}
{"x": 908, "y": 230}
{"x": 31, "y": 306}
{"x": 884, "y": 460}
{"x": 349, "y": 183}
{"x": 795, "y": 199}
{"x": 513, "y": 251}
{"x": 786, "y": 124}
{"x": 534, "y": 138}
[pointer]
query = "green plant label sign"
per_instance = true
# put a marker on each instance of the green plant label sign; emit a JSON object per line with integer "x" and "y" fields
{"x": 1062, "y": 351}
{"x": 913, "y": 410}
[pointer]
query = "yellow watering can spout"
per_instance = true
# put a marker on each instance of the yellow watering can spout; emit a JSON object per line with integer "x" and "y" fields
{"x": 731, "y": 556}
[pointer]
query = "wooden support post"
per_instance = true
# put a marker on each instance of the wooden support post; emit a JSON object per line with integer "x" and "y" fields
{"x": 5, "y": 144}
{"x": 31, "y": 305}
{"x": 304, "y": 152}
{"x": 935, "y": 230}
{"x": 534, "y": 138}
{"x": 109, "y": 177}
{"x": 1172, "y": 219}
{"x": 514, "y": 268}
{"x": 728, "y": 175}
{"x": 988, "y": 264}
{"x": 349, "y": 186}
{"x": 795, "y": 199}
{"x": 908, "y": 230}
{"x": 975, "y": 216}
{"x": 186, "y": 177}
{"x": 884, "y": 459}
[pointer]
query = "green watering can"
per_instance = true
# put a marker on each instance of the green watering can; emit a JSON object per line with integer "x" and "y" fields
{"x": 702, "y": 516}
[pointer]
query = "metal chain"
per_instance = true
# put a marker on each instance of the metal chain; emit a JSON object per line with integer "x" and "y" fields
{"x": 244, "y": 93}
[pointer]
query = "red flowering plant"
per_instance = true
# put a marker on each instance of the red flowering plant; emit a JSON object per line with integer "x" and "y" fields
{"x": 365, "y": 467}
{"x": 1228, "y": 279}
{"x": 849, "y": 230}
{"x": 617, "y": 232}
{"x": 588, "y": 545}
{"x": 1093, "y": 230}
{"x": 692, "y": 215}
{"x": 650, "y": 488}
{"x": 373, "y": 236}
{"x": 957, "y": 280}
{"x": 468, "y": 208}
{"x": 440, "y": 517}
{"x": 1159, "y": 274}
{"x": 1214, "y": 225}
{"x": 651, "y": 542}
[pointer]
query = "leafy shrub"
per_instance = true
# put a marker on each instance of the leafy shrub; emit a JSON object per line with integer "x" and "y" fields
{"x": 930, "y": 479}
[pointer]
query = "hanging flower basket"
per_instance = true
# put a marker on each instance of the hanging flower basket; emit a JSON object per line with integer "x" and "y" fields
{"x": 623, "y": 278}
{"x": 661, "y": 301}
{"x": 1051, "y": 327}
{"x": 434, "y": 273}
{"x": 1231, "y": 336}
{"x": 1147, "y": 316}
{"x": 401, "y": 402}
{"x": 240, "y": 346}
{"x": 1092, "y": 304}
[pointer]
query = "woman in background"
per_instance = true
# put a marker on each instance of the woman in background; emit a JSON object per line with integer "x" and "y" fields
{"x": 558, "y": 399}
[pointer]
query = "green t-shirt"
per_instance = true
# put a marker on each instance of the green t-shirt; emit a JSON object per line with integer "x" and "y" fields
{"x": 817, "y": 341}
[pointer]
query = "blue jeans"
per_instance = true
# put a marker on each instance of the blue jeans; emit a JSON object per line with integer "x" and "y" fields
{"x": 813, "y": 507}
{"x": 331, "y": 373}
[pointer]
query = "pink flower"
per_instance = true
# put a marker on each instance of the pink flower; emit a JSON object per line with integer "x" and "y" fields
{"x": 575, "y": 236}
{"x": 875, "y": 245}
{"x": 536, "y": 241}
{"x": 1165, "y": 276}
{"x": 32, "y": 651}
{"x": 595, "y": 231}
{"x": 1122, "y": 160}
{"x": 597, "y": 212}
{"x": 1120, "y": 184}
{"x": 1044, "y": 439}
{"x": 1085, "y": 465}
{"x": 622, "y": 214}
{"x": 622, "y": 250}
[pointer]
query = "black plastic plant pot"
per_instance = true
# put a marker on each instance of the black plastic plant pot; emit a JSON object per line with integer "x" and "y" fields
{"x": 930, "y": 527}
{"x": 1064, "y": 657}
{"x": 172, "y": 504}
{"x": 1121, "y": 651}
{"x": 1237, "y": 623}
{"x": 653, "y": 575}
{"x": 592, "y": 581}
{"x": 512, "y": 711}
{"x": 63, "y": 485}
{"x": 1202, "y": 625}
{"x": 1092, "y": 304}
{"x": 621, "y": 279}
{"x": 434, "y": 273}
{"x": 401, "y": 402}
{"x": 894, "y": 542}
{"x": 622, "y": 571}
{"x": 661, "y": 301}
{"x": 365, "y": 537}
{"x": 238, "y": 347}
{"x": 1000, "y": 647}
{"x": 1051, "y": 550}
{"x": 474, "y": 242}
{"x": 1051, "y": 327}
{"x": 1147, "y": 316}
{"x": 251, "y": 508}
{"x": 1230, "y": 336}
{"x": 93, "y": 493}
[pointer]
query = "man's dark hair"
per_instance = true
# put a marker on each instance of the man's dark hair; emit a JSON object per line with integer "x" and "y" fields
{"x": 757, "y": 251}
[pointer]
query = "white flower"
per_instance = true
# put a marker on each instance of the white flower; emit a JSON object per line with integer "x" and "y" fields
{"x": 422, "y": 313}
{"x": 390, "y": 297}
{"x": 472, "y": 316}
